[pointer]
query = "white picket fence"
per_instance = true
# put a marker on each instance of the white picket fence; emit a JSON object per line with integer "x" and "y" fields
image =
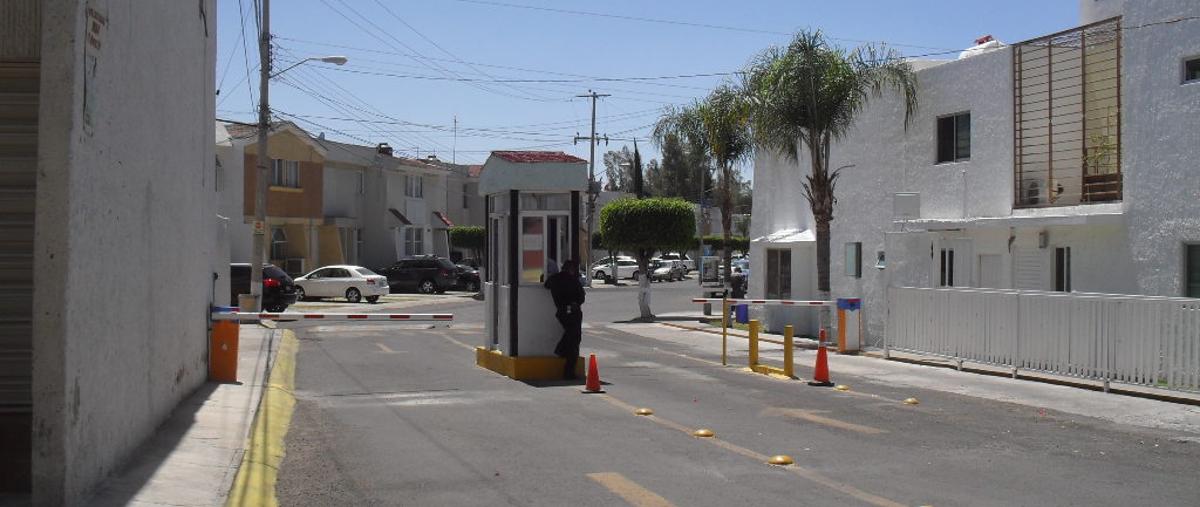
{"x": 1145, "y": 340}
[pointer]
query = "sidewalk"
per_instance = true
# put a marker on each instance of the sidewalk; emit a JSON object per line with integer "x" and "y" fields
{"x": 193, "y": 457}
{"x": 929, "y": 373}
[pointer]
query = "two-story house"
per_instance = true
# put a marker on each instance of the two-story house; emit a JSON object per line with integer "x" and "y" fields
{"x": 1062, "y": 163}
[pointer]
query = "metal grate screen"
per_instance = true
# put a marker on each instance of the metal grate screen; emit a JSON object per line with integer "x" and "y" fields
{"x": 1067, "y": 117}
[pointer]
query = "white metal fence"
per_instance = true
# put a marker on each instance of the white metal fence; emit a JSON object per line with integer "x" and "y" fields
{"x": 1146, "y": 340}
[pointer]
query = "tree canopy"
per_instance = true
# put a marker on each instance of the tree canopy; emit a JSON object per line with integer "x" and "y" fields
{"x": 655, "y": 223}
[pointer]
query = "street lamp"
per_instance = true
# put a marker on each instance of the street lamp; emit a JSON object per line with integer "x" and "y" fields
{"x": 260, "y": 184}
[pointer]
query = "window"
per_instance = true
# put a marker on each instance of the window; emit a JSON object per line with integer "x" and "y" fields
{"x": 278, "y": 244}
{"x": 466, "y": 196}
{"x": 358, "y": 244}
{"x": 362, "y": 183}
{"x": 414, "y": 241}
{"x": 1062, "y": 269}
{"x": 1192, "y": 272}
{"x": 954, "y": 138}
{"x": 533, "y": 249}
{"x": 285, "y": 173}
{"x": 854, "y": 260}
{"x": 1191, "y": 70}
{"x": 414, "y": 186}
{"x": 779, "y": 274}
{"x": 946, "y": 270}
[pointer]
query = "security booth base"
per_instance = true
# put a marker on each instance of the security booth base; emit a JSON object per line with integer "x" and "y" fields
{"x": 525, "y": 367}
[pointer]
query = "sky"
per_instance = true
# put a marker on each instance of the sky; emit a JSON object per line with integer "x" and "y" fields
{"x": 510, "y": 71}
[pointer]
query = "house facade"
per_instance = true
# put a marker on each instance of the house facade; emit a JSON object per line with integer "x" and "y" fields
{"x": 1063, "y": 163}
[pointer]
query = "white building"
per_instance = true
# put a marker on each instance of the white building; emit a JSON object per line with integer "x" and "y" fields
{"x": 1105, "y": 200}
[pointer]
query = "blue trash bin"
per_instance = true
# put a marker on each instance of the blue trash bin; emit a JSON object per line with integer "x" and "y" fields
{"x": 741, "y": 314}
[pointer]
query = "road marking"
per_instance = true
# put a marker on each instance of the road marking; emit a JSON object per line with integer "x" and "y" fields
{"x": 811, "y": 416}
{"x": 811, "y": 475}
{"x": 630, "y": 491}
{"x": 259, "y": 471}
{"x": 446, "y": 335}
{"x": 385, "y": 348}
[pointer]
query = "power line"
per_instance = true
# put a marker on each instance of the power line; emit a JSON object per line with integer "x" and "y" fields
{"x": 676, "y": 22}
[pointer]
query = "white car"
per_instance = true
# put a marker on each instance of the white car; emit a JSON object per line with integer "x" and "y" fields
{"x": 351, "y": 282}
{"x": 689, "y": 265}
{"x": 625, "y": 268}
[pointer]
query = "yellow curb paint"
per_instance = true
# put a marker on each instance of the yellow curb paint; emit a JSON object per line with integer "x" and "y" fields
{"x": 630, "y": 491}
{"x": 259, "y": 470}
{"x": 799, "y": 471}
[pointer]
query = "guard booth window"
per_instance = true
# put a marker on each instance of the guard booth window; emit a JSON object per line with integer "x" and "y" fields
{"x": 779, "y": 274}
{"x": 1193, "y": 271}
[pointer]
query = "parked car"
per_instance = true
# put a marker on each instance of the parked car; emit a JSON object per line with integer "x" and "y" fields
{"x": 278, "y": 290}
{"x": 351, "y": 282}
{"x": 626, "y": 267}
{"x": 426, "y": 274}
{"x": 689, "y": 265}
{"x": 663, "y": 271}
{"x": 466, "y": 278}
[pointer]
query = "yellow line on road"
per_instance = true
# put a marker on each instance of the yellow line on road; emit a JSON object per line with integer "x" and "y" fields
{"x": 446, "y": 335}
{"x": 255, "y": 482}
{"x": 811, "y": 416}
{"x": 630, "y": 491}
{"x": 811, "y": 475}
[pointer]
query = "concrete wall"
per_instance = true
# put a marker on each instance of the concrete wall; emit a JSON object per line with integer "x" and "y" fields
{"x": 341, "y": 197}
{"x": 1161, "y": 141}
{"x": 125, "y": 250}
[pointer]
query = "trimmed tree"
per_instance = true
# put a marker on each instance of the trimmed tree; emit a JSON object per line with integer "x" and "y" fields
{"x": 648, "y": 225}
{"x": 469, "y": 237}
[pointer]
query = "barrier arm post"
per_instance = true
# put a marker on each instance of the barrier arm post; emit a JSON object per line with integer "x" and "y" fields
{"x": 789, "y": 369}
{"x": 724, "y": 328}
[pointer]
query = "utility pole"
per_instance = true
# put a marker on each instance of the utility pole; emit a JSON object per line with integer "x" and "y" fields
{"x": 454, "y": 150}
{"x": 259, "y": 255}
{"x": 592, "y": 190}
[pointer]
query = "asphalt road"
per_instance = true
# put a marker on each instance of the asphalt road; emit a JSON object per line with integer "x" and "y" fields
{"x": 403, "y": 417}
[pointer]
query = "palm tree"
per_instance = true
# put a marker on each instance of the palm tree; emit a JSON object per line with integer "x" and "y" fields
{"x": 806, "y": 95}
{"x": 719, "y": 125}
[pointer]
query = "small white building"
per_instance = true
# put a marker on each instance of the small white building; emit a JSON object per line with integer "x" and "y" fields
{"x": 1067, "y": 162}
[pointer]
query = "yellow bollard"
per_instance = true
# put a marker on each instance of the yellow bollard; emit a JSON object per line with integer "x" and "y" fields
{"x": 788, "y": 369}
{"x": 724, "y": 328}
{"x": 753, "y": 343}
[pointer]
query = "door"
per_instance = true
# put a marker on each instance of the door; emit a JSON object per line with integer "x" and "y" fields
{"x": 339, "y": 280}
{"x": 317, "y": 284}
{"x": 1027, "y": 269}
{"x": 989, "y": 272}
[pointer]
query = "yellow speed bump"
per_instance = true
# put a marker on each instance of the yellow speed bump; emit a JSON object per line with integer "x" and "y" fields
{"x": 842, "y": 387}
{"x": 781, "y": 460}
{"x": 912, "y": 401}
{"x": 703, "y": 433}
{"x": 643, "y": 411}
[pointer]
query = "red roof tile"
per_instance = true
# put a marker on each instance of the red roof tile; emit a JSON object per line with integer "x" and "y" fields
{"x": 474, "y": 171}
{"x": 532, "y": 157}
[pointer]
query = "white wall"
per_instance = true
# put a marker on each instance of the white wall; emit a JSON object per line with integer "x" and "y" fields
{"x": 340, "y": 195}
{"x": 231, "y": 156}
{"x": 125, "y": 231}
{"x": 1161, "y": 141}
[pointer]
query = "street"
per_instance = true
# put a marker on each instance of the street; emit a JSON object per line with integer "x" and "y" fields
{"x": 402, "y": 416}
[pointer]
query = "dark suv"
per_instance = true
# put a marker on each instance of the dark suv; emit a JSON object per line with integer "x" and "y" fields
{"x": 425, "y": 274}
{"x": 277, "y": 290}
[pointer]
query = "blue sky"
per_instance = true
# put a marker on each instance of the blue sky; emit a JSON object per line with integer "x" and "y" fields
{"x": 415, "y": 65}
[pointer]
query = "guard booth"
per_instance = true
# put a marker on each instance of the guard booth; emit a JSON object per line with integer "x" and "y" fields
{"x": 533, "y": 208}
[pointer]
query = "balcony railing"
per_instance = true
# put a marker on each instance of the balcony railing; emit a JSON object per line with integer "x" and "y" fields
{"x": 1067, "y": 117}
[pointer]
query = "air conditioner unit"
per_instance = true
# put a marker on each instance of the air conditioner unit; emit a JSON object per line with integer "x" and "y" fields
{"x": 294, "y": 266}
{"x": 1032, "y": 192}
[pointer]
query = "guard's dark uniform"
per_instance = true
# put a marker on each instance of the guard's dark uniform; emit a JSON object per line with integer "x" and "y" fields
{"x": 568, "y": 296}
{"x": 738, "y": 285}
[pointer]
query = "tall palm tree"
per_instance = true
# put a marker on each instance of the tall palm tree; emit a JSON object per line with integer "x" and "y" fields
{"x": 719, "y": 125}
{"x": 806, "y": 95}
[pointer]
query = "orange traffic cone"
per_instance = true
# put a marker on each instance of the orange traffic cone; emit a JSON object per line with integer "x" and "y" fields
{"x": 593, "y": 376}
{"x": 821, "y": 370}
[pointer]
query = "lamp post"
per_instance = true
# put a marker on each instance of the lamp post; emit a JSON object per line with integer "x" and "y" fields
{"x": 259, "y": 253}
